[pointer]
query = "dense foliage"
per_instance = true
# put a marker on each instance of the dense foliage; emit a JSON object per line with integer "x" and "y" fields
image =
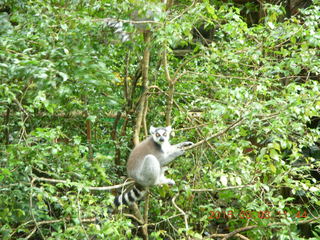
{"x": 72, "y": 93}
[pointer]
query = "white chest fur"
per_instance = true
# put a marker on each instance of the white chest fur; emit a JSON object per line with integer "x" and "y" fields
{"x": 166, "y": 148}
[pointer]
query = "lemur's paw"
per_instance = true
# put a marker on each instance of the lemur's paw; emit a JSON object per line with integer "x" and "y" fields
{"x": 186, "y": 144}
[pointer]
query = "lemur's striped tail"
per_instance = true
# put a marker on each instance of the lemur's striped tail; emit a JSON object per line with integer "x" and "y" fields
{"x": 127, "y": 198}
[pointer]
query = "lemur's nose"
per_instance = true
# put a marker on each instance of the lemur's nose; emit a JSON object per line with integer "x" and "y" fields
{"x": 161, "y": 139}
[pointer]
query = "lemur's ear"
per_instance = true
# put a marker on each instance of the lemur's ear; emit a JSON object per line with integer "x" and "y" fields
{"x": 169, "y": 128}
{"x": 152, "y": 130}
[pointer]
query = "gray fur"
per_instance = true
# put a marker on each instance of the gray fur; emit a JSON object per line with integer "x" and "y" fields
{"x": 147, "y": 161}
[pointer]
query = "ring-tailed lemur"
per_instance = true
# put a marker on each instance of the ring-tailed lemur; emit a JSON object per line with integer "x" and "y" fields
{"x": 146, "y": 163}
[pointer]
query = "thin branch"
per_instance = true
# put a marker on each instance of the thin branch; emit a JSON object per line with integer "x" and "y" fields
{"x": 144, "y": 117}
{"x": 137, "y": 214}
{"x": 222, "y": 76}
{"x": 233, "y": 125}
{"x": 106, "y": 188}
{"x": 185, "y": 216}
{"x": 32, "y": 214}
{"x": 170, "y": 91}
{"x": 134, "y": 217}
{"x": 175, "y": 78}
{"x": 20, "y": 106}
{"x": 125, "y": 21}
{"x": 184, "y": 11}
{"x": 31, "y": 233}
{"x": 220, "y": 189}
{"x": 115, "y": 139}
{"x": 126, "y": 75}
{"x": 146, "y": 211}
{"x": 145, "y": 78}
{"x": 164, "y": 220}
{"x": 83, "y": 220}
{"x": 241, "y": 236}
{"x": 229, "y": 235}
{"x": 188, "y": 128}
{"x": 165, "y": 65}
{"x": 220, "y": 235}
{"x": 79, "y": 215}
{"x": 6, "y": 130}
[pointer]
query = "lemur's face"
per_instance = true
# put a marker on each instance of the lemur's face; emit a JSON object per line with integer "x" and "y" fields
{"x": 160, "y": 135}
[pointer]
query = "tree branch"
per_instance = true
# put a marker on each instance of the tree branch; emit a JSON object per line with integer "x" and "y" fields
{"x": 83, "y": 220}
{"x": 171, "y": 87}
{"x": 145, "y": 71}
{"x": 106, "y": 188}
{"x": 220, "y": 189}
{"x": 233, "y": 125}
{"x": 229, "y": 235}
{"x": 185, "y": 216}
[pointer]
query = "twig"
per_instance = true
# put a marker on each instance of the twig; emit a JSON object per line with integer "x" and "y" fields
{"x": 115, "y": 138}
{"x": 134, "y": 217}
{"x": 185, "y": 216}
{"x": 138, "y": 215}
{"x": 164, "y": 220}
{"x": 20, "y": 106}
{"x": 144, "y": 117}
{"x": 184, "y": 11}
{"x": 170, "y": 91}
{"x": 220, "y": 189}
{"x": 145, "y": 78}
{"x": 31, "y": 233}
{"x": 125, "y": 21}
{"x": 79, "y": 216}
{"x": 229, "y": 235}
{"x": 165, "y": 65}
{"x": 222, "y": 76}
{"x": 193, "y": 127}
{"x": 146, "y": 211}
{"x": 175, "y": 76}
{"x": 220, "y": 235}
{"x": 233, "y": 125}
{"x": 84, "y": 220}
{"x": 106, "y": 188}
{"x": 32, "y": 214}
{"x": 241, "y": 236}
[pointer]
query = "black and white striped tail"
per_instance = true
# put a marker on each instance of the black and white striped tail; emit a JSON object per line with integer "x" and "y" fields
{"x": 135, "y": 194}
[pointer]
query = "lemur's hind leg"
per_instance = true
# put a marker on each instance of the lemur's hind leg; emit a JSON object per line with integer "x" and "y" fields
{"x": 163, "y": 180}
{"x": 150, "y": 171}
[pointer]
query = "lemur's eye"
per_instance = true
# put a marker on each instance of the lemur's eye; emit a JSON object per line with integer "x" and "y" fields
{"x": 158, "y": 135}
{"x": 165, "y": 134}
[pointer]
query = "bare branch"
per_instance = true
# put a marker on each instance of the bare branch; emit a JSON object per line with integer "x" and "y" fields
{"x": 83, "y": 220}
{"x": 185, "y": 216}
{"x": 165, "y": 65}
{"x": 171, "y": 88}
{"x": 233, "y": 125}
{"x": 145, "y": 78}
{"x": 126, "y": 21}
{"x": 220, "y": 235}
{"x": 229, "y": 235}
{"x": 20, "y": 106}
{"x": 220, "y": 189}
{"x": 175, "y": 76}
{"x": 106, "y": 188}
{"x": 37, "y": 227}
{"x": 146, "y": 212}
{"x": 184, "y": 11}
{"x": 134, "y": 217}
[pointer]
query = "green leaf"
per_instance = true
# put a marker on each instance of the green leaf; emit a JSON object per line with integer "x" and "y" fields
{"x": 274, "y": 154}
{"x": 272, "y": 168}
